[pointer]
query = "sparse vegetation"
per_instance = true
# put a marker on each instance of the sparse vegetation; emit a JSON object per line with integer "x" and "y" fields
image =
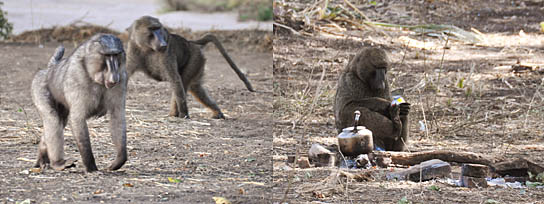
{"x": 5, "y": 26}
{"x": 260, "y": 10}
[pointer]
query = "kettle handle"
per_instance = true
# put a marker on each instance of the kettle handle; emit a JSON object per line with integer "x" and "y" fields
{"x": 356, "y": 121}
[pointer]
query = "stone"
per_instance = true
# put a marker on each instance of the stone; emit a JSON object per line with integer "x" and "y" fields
{"x": 473, "y": 182}
{"x": 362, "y": 161}
{"x": 317, "y": 149}
{"x": 290, "y": 159}
{"x": 383, "y": 162}
{"x": 326, "y": 160}
{"x": 474, "y": 170}
{"x": 303, "y": 162}
{"x": 515, "y": 168}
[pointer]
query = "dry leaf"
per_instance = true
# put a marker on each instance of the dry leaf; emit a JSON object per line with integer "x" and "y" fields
{"x": 35, "y": 170}
{"x": 221, "y": 200}
{"x": 173, "y": 180}
{"x": 128, "y": 185}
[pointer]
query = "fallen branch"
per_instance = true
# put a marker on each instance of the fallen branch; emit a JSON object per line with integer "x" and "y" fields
{"x": 406, "y": 158}
{"x": 288, "y": 28}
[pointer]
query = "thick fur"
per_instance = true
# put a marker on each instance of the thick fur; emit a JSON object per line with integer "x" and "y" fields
{"x": 169, "y": 57}
{"x": 79, "y": 87}
{"x": 360, "y": 88}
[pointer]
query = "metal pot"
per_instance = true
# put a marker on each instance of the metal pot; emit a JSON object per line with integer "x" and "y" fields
{"x": 355, "y": 140}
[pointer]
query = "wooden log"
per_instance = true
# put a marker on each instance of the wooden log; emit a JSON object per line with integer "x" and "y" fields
{"x": 423, "y": 172}
{"x": 514, "y": 167}
{"x": 407, "y": 158}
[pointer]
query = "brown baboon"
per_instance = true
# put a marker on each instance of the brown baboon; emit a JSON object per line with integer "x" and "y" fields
{"x": 89, "y": 83}
{"x": 363, "y": 86}
{"x": 169, "y": 57}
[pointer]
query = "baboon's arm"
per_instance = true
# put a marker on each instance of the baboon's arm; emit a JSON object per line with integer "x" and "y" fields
{"x": 81, "y": 133}
{"x": 118, "y": 132}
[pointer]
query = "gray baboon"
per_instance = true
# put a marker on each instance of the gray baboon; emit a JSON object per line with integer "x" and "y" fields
{"x": 89, "y": 83}
{"x": 363, "y": 86}
{"x": 169, "y": 57}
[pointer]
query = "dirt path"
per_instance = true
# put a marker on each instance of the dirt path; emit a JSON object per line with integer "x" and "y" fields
{"x": 227, "y": 158}
{"x": 117, "y": 15}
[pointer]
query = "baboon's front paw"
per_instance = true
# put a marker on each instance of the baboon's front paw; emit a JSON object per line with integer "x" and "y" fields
{"x": 394, "y": 112}
{"x": 184, "y": 116}
{"x": 63, "y": 164}
{"x": 219, "y": 116}
{"x": 41, "y": 163}
{"x": 404, "y": 108}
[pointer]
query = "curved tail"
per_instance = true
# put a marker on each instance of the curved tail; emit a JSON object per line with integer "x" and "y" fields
{"x": 55, "y": 59}
{"x": 211, "y": 38}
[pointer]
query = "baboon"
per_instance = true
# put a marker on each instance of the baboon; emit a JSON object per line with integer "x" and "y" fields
{"x": 169, "y": 57}
{"x": 89, "y": 83}
{"x": 363, "y": 86}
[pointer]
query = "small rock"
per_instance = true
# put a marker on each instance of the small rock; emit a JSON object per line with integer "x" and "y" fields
{"x": 474, "y": 170}
{"x": 473, "y": 182}
{"x": 321, "y": 156}
{"x": 290, "y": 159}
{"x": 512, "y": 179}
{"x": 424, "y": 171}
{"x": 317, "y": 149}
{"x": 363, "y": 161}
{"x": 303, "y": 162}
{"x": 325, "y": 160}
{"x": 383, "y": 162}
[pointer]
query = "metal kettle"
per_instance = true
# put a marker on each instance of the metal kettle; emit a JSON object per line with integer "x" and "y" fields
{"x": 355, "y": 140}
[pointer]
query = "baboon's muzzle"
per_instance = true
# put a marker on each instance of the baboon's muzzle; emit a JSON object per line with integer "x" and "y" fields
{"x": 112, "y": 78}
{"x": 162, "y": 40}
{"x": 378, "y": 83}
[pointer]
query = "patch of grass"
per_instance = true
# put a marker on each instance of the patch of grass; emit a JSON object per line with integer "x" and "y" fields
{"x": 265, "y": 13}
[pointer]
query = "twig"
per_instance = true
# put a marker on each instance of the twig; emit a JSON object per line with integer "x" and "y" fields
{"x": 443, "y": 53}
{"x": 356, "y": 9}
{"x": 531, "y": 103}
{"x": 288, "y": 28}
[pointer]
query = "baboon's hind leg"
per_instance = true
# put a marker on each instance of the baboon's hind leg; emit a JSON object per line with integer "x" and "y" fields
{"x": 51, "y": 147}
{"x": 202, "y": 96}
{"x": 173, "y": 106}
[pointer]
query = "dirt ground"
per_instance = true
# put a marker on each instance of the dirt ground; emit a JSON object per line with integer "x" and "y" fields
{"x": 466, "y": 95}
{"x": 171, "y": 160}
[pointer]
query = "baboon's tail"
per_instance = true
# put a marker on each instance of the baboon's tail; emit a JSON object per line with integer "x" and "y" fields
{"x": 211, "y": 38}
{"x": 55, "y": 59}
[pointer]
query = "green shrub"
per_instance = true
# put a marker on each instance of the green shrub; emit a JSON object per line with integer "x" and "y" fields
{"x": 5, "y": 26}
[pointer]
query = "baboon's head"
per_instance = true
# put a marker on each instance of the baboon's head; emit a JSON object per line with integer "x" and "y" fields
{"x": 370, "y": 65}
{"x": 104, "y": 59}
{"x": 148, "y": 32}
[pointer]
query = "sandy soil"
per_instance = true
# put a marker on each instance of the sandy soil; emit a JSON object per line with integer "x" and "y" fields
{"x": 500, "y": 116}
{"x": 211, "y": 158}
{"x": 117, "y": 15}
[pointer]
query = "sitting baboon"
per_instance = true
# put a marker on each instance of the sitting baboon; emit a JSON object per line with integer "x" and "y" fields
{"x": 363, "y": 86}
{"x": 169, "y": 57}
{"x": 89, "y": 83}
